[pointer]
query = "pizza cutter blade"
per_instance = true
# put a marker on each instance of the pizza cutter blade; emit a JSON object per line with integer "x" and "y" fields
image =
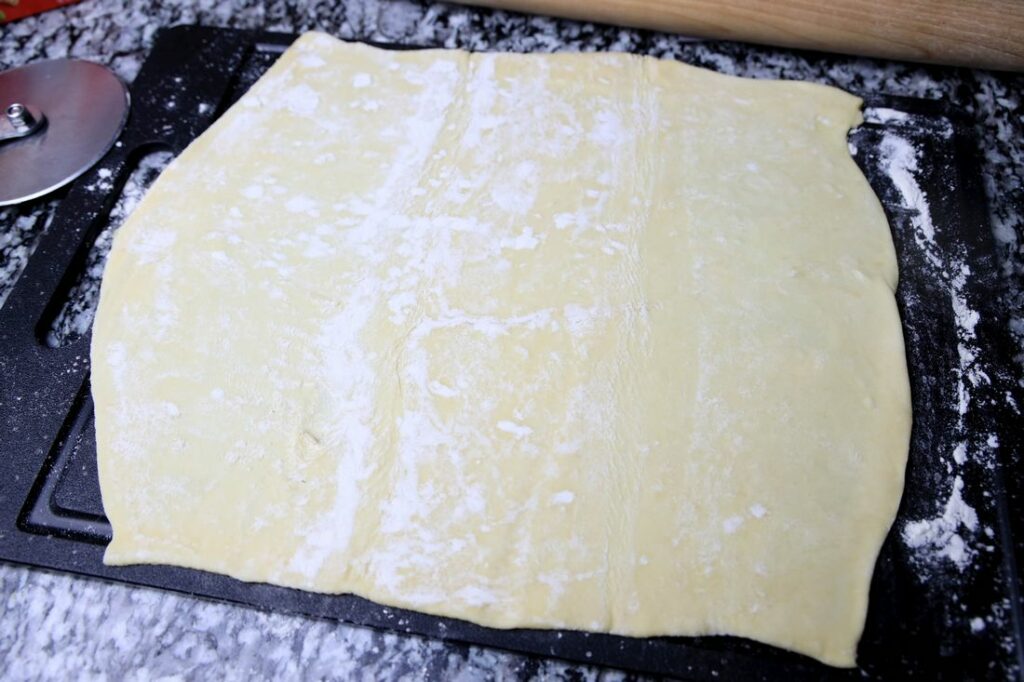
{"x": 57, "y": 119}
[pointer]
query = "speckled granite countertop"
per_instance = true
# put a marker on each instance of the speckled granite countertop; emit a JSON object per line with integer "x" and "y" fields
{"x": 52, "y": 624}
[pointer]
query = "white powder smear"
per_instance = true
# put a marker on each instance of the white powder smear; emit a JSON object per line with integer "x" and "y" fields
{"x": 76, "y": 315}
{"x": 960, "y": 453}
{"x": 942, "y": 534}
{"x": 884, "y": 115}
{"x": 349, "y": 379}
{"x": 253, "y": 191}
{"x": 301, "y": 204}
{"x": 152, "y": 245}
{"x": 302, "y": 100}
{"x": 732, "y": 524}
{"x": 945, "y": 537}
{"x": 474, "y": 595}
{"x": 311, "y": 61}
{"x": 517, "y": 430}
{"x": 900, "y": 159}
{"x": 563, "y": 497}
{"x": 524, "y": 241}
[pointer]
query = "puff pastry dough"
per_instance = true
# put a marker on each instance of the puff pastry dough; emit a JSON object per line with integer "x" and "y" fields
{"x": 582, "y": 341}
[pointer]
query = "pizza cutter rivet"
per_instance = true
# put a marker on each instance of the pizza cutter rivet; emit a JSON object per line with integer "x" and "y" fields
{"x": 18, "y": 115}
{"x": 22, "y": 119}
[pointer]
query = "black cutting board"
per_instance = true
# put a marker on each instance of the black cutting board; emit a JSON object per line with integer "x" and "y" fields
{"x": 921, "y": 610}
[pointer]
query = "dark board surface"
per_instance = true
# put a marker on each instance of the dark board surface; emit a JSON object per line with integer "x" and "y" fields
{"x": 919, "y": 621}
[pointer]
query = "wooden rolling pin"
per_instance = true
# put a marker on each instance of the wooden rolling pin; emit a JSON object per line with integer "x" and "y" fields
{"x": 981, "y": 33}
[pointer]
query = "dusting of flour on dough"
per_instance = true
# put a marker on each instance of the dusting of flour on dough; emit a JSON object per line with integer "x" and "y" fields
{"x": 563, "y": 497}
{"x": 76, "y": 315}
{"x": 349, "y": 378}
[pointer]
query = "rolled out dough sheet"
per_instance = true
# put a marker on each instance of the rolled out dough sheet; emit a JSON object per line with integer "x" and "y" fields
{"x": 553, "y": 341}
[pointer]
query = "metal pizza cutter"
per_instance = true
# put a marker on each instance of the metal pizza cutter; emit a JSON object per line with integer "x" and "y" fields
{"x": 57, "y": 119}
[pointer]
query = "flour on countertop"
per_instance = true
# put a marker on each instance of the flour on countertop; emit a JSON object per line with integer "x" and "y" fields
{"x": 949, "y": 535}
{"x": 883, "y": 115}
{"x": 901, "y": 161}
{"x": 941, "y": 535}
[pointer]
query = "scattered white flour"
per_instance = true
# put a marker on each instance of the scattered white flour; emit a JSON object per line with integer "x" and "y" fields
{"x": 437, "y": 388}
{"x": 884, "y": 115}
{"x": 400, "y": 304}
{"x": 253, "y": 191}
{"x": 608, "y": 130}
{"x": 311, "y": 61}
{"x": 563, "y": 497}
{"x": 152, "y": 244}
{"x": 300, "y": 204}
{"x": 483, "y": 92}
{"x": 350, "y": 379}
{"x": 474, "y": 595}
{"x": 361, "y": 80}
{"x": 526, "y": 240}
{"x": 732, "y": 524}
{"x": 76, "y": 315}
{"x": 977, "y": 624}
{"x": 757, "y": 511}
{"x": 517, "y": 430}
{"x": 947, "y": 536}
{"x": 301, "y": 99}
{"x": 900, "y": 159}
{"x": 942, "y": 534}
